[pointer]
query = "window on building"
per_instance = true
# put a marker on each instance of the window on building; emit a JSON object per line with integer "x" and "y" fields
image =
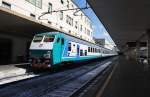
{"x": 37, "y": 3}
{"x": 81, "y": 15}
{"x": 85, "y": 20}
{"x": 62, "y": 1}
{"x": 91, "y": 25}
{"x": 76, "y": 24}
{"x": 81, "y": 27}
{"x": 69, "y": 20}
{"x": 88, "y": 32}
{"x": 72, "y": 6}
{"x": 6, "y": 5}
{"x": 50, "y": 8}
{"x": 61, "y": 15}
{"x": 67, "y": 3}
{"x": 85, "y": 30}
{"x": 33, "y": 16}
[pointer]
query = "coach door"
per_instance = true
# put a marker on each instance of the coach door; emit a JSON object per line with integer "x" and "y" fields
{"x": 57, "y": 50}
{"x": 78, "y": 50}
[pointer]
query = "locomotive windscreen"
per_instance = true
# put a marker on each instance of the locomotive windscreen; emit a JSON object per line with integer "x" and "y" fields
{"x": 38, "y": 38}
{"x": 49, "y": 38}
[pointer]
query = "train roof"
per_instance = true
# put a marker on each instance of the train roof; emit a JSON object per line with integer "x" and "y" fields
{"x": 75, "y": 39}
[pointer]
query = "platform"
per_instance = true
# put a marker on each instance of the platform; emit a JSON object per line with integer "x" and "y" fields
{"x": 11, "y": 70}
{"x": 129, "y": 79}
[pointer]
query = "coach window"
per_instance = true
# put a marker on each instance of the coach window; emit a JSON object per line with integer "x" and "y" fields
{"x": 85, "y": 52}
{"x": 88, "y": 49}
{"x": 81, "y": 52}
{"x": 69, "y": 47}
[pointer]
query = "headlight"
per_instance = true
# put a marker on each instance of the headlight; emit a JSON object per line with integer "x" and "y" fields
{"x": 47, "y": 55}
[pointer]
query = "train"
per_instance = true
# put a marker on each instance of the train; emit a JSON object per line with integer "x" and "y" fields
{"x": 50, "y": 49}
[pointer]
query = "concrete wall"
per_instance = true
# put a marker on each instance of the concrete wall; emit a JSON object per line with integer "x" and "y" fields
{"x": 19, "y": 45}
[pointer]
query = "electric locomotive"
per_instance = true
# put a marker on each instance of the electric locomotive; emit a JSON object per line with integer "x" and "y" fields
{"x": 52, "y": 48}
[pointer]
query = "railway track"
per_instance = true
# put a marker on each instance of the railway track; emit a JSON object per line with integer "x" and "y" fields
{"x": 61, "y": 84}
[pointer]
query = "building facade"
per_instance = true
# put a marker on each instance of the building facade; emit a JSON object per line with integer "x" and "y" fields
{"x": 73, "y": 22}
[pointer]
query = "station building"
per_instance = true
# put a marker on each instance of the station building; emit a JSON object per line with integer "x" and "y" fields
{"x": 16, "y": 35}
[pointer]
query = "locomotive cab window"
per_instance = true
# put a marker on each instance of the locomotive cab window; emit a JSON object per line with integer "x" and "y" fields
{"x": 49, "y": 38}
{"x": 38, "y": 38}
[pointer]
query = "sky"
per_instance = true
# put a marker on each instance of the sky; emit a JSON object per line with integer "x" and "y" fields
{"x": 98, "y": 28}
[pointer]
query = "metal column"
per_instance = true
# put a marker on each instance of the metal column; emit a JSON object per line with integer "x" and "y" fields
{"x": 148, "y": 47}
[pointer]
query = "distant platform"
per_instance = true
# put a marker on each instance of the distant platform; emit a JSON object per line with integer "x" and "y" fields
{"x": 130, "y": 79}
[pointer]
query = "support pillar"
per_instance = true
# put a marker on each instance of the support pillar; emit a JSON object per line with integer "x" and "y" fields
{"x": 148, "y": 47}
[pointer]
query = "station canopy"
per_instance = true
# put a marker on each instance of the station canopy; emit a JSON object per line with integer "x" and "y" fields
{"x": 125, "y": 20}
{"x": 15, "y": 23}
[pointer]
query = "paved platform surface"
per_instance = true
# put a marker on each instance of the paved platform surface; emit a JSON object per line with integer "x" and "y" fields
{"x": 128, "y": 80}
{"x": 11, "y": 70}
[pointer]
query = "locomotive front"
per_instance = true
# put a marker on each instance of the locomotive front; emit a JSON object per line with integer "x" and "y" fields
{"x": 41, "y": 51}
